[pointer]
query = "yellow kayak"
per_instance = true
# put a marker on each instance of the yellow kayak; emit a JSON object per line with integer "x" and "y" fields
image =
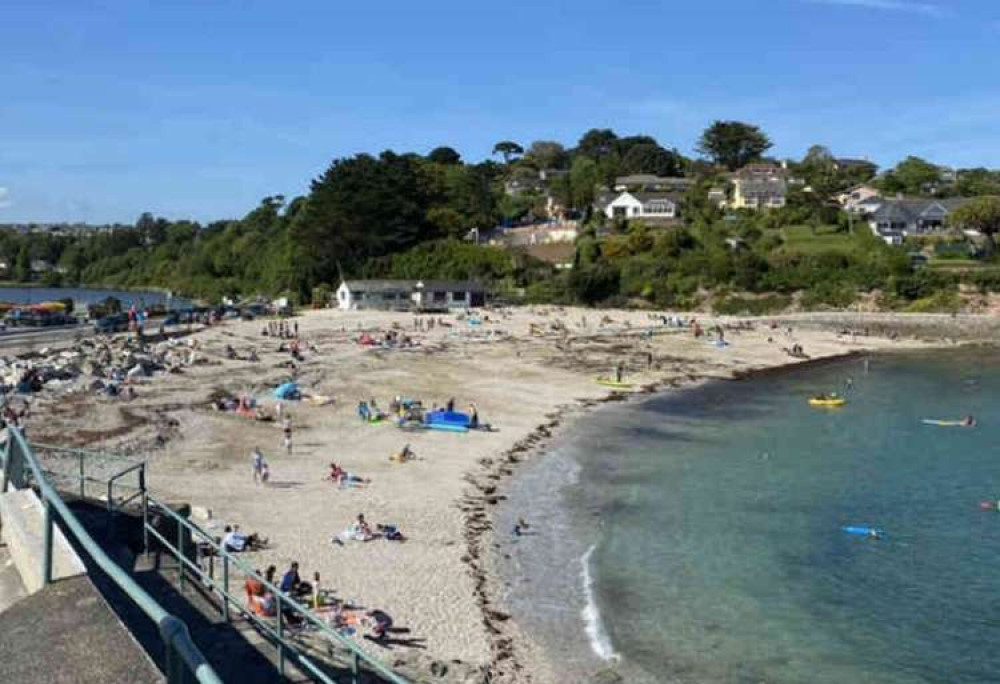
{"x": 608, "y": 382}
{"x": 838, "y": 401}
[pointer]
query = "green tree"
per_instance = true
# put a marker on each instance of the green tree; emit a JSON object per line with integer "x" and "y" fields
{"x": 22, "y": 265}
{"x": 444, "y": 155}
{"x": 508, "y": 149}
{"x": 913, "y": 176}
{"x": 597, "y": 143}
{"x": 360, "y": 207}
{"x": 584, "y": 177}
{"x": 651, "y": 158}
{"x": 547, "y": 154}
{"x": 975, "y": 182}
{"x": 733, "y": 144}
{"x": 981, "y": 214}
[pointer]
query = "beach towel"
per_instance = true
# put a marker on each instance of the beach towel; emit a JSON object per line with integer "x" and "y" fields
{"x": 289, "y": 390}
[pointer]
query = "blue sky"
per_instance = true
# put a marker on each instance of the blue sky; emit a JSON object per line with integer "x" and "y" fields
{"x": 199, "y": 108}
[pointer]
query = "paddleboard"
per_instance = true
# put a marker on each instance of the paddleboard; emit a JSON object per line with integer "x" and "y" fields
{"x": 944, "y": 423}
{"x": 862, "y": 531}
{"x": 607, "y": 382}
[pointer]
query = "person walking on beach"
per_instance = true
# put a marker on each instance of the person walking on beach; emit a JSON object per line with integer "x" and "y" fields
{"x": 258, "y": 465}
{"x": 286, "y": 426}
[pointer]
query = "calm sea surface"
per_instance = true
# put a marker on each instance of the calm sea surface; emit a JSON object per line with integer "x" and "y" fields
{"x": 35, "y": 295}
{"x": 696, "y": 536}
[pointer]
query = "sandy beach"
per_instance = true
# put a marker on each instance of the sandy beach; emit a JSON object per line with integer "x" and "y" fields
{"x": 530, "y": 372}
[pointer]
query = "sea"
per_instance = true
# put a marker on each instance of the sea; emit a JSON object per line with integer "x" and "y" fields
{"x": 84, "y": 296}
{"x": 697, "y": 535}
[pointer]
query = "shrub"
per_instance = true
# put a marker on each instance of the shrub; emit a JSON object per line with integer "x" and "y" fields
{"x": 751, "y": 306}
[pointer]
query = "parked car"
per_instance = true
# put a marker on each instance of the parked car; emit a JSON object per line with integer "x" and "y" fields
{"x": 111, "y": 324}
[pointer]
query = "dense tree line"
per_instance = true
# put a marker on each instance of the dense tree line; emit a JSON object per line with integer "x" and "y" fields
{"x": 407, "y": 215}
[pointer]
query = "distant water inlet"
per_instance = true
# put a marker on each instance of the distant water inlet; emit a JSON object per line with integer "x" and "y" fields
{"x": 707, "y": 526}
{"x": 36, "y": 295}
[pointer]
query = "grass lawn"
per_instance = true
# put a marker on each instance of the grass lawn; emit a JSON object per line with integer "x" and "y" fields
{"x": 804, "y": 240}
{"x": 961, "y": 265}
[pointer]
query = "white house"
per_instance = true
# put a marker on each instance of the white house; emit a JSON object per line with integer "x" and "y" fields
{"x": 642, "y": 205}
{"x": 857, "y": 199}
{"x": 405, "y": 295}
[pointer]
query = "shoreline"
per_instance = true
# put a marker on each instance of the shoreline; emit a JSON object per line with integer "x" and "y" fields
{"x": 532, "y": 386}
{"x": 509, "y": 639}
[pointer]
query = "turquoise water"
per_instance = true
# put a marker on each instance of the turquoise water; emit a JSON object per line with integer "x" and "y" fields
{"x": 712, "y": 519}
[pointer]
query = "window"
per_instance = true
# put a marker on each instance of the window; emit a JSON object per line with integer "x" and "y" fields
{"x": 440, "y": 297}
{"x": 662, "y": 207}
{"x": 620, "y": 212}
{"x": 458, "y": 296}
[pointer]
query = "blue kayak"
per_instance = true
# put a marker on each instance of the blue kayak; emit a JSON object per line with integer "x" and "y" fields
{"x": 862, "y": 531}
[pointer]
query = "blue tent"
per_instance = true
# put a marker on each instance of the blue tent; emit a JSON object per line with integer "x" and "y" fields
{"x": 288, "y": 391}
{"x": 447, "y": 420}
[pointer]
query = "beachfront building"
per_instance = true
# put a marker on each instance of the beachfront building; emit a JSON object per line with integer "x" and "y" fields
{"x": 406, "y": 295}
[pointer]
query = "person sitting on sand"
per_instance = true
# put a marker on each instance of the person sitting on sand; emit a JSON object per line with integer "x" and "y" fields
{"x": 292, "y": 584}
{"x": 404, "y": 455}
{"x": 235, "y": 542}
{"x": 260, "y": 600}
{"x": 364, "y": 413}
{"x": 359, "y": 530}
{"x": 380, "y": 622}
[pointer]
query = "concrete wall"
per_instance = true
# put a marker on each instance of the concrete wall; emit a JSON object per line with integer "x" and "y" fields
{"x": 22, "y": 516}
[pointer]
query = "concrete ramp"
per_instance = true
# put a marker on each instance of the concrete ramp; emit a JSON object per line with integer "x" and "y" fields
{"x": 22, "y": 516}
{"x": 67, "y": 634}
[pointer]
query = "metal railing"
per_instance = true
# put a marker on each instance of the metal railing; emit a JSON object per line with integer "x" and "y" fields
{"x": 287, "y": 610}
{"x": 181, "y": 657}
{"x": 290, "y": 616}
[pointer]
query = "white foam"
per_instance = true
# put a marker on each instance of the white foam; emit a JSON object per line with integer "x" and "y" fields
{"x": 600, "y": 642}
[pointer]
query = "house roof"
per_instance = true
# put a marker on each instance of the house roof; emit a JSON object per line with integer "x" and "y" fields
{"x": 650, "y": 179}
{"x": 754, "y": 171}
{"x": 411, "y": 285}
{"x": 766, "y": 185}
{"x": 847, "y": 161}
{"x": 910, "y": 209}
{"x": 656, "y": 195}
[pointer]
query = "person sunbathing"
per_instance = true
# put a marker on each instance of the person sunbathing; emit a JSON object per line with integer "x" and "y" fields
{"x": 341, "y": 477}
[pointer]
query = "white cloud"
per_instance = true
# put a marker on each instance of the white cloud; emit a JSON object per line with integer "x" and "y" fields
{"x": 926, "y": 8}
{"x": 5, "y": 200}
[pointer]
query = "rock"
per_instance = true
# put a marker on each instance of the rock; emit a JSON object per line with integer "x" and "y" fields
{"x": 606, "y": 677}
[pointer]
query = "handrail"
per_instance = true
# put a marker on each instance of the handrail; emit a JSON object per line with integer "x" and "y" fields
{"x": 283, "y": 599}
{"x": 173, "y": 632}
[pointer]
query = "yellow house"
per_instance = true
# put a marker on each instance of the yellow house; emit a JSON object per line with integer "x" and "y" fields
{"x": 759, "y": 186}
